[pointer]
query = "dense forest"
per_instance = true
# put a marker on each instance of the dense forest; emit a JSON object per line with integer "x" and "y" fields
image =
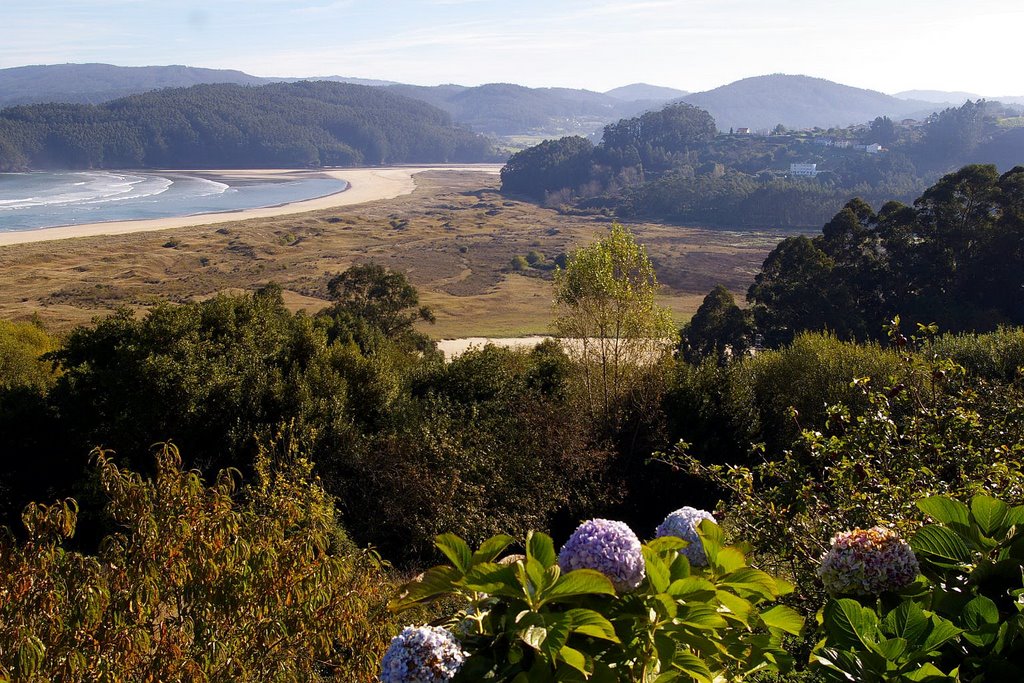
{"x": 293, "y": 125}
{"x": 671, "y": 165}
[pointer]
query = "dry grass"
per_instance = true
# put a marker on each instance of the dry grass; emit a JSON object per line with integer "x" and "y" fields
{"x": 455, "y": 237}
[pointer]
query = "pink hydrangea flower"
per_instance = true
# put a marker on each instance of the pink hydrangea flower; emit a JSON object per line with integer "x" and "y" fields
{"x": 867, "y": 562}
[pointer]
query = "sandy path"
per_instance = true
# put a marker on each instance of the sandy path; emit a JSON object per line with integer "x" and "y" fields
{"x": 365, "y": 185}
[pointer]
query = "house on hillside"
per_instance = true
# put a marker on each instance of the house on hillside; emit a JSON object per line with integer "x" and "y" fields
{"x": 742, "y": 131}
{"x": 803, "y": 170}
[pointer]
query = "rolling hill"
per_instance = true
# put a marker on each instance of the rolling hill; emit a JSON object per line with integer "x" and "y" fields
{"x": 293, "y": 125}
{"x": 644, "y": 91}
{"x": 762, "y": 102}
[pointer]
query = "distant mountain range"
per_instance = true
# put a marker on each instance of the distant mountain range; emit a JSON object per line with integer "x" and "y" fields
{"x": 503, "y": 109}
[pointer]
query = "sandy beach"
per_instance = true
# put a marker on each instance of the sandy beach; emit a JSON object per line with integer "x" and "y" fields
{"x": 365, "y": 185}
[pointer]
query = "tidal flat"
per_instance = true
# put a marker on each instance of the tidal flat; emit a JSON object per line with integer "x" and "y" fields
{"x": 454, "y": 235}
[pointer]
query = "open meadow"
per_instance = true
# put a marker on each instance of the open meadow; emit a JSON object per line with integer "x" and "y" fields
{"x": 455, "y": 237}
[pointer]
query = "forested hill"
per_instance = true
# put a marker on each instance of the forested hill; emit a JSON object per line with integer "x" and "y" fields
{"x": 509, "y": 109}
{"x": 294, "y": 125}
{"x": 762, "y": 102}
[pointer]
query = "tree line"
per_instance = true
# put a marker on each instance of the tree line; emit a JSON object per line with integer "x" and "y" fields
{"x": 954, "y": 258}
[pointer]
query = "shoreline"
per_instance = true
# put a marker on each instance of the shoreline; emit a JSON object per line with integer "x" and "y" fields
{"x": 365, "y": 184}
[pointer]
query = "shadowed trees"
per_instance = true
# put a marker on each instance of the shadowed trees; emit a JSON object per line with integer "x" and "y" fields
{"x": 955, "y": 258}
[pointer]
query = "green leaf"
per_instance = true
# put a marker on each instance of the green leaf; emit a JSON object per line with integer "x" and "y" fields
{"x": 784, "y": 618}
{"x": 657, "y": 571}
{"x": 491, "y": 548}
{"x": 680, "y": 567}
{"x": 847, "y": 624}
{"x": 700, "y": 616}
{"x": 557, "y": 627}
{"x": 540, "y": 547}
{"x": 738, "y": 606}
{"x": 590, "y": 623}
{"x": 539, "y": 578}
{"x": 942, "y": 631}
{"x": 693, "y": 666}
{"x": 730, "y": 559}
{"x": 576, "y": 660}
{"x": 692, "y": 588}
{"x": 892, "y": 648}
{"x": 750, "y": 580}
{"x": 456, "y": 550}
{"x": 665, "y": 606}
{"x": 664, "y": 544}
{"x": 929, "y": 673}
{"x": 712, "y": 538}
{"x": 1015, "y": 517}
{"x": 576, "y": 583}
{"x": 989, "y": 513}
{"x": 940, "y": 542}
{"x": 432, "y": 583}
{"x": 980, "y": 619}
{"x": 946, "y": 510}
{"x": 907, "y": 621}
{"x": 494, "y": 579}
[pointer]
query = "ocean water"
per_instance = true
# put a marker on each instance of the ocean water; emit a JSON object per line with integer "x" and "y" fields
{"x": 29, "y": 201}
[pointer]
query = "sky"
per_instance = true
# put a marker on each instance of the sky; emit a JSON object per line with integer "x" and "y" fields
{"x": 694, "y": 45}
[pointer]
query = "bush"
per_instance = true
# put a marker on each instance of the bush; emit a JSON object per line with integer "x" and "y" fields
{"x": 937, "y": 432}
{"x": 527, "y": 617}
{"x": 962, "y": 620}
{"x": 722, "y": 412}
{"x": 482, "y": 445}
{"x": 997, "y": 355}
{"x": 198, "y": 583}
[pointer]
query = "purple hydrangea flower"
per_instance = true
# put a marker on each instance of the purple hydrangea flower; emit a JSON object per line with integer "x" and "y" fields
{"x": 609, "y": 547}
{"x": 683, "y": 524}
{"x": 423, "y": 654}
{"x": 867, "y": 562}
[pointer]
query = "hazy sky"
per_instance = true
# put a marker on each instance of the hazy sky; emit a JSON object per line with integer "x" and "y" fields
{"x": 888, "y": 45}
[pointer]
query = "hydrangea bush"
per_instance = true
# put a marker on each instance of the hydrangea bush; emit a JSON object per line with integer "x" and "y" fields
{"x": 683, "y": 524}
{"x": 962, "y": 618}
{"x": 607, "y": 546}
{"x": 867, "y": 562}
{"x": 606, "y": 609}
{"x": 424, "y": 654}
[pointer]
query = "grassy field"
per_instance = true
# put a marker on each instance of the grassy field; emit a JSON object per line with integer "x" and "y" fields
{"x": 455, "y": 237}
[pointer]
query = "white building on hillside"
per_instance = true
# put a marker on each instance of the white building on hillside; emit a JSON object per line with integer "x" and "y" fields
{"x": 803, "y": 170}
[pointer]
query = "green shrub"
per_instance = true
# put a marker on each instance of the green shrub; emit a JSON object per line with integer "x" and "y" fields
{"x": 526, "y": 618}
{"x": 22, "y": 348}
{"x": 721, "y": 413}
{"x": 962, "y": 620}
{"x": 938, "y": 432}
{"x": 996, "y": 355}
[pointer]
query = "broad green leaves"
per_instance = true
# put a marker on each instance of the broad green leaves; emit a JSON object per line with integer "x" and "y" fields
{"x": 532, "y": 622}
{"x": 967, "y": 612}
